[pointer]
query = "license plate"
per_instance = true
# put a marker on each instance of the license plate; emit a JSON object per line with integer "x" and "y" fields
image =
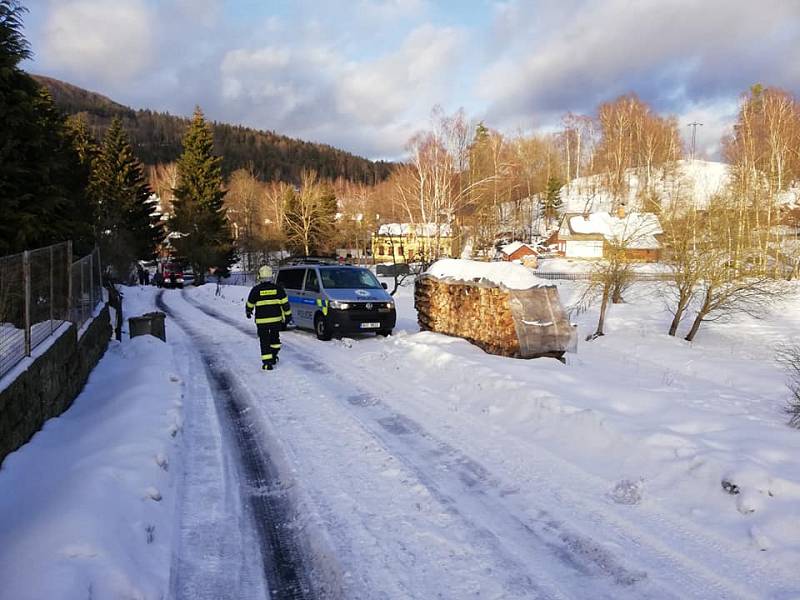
{"x": 370, "y": 325}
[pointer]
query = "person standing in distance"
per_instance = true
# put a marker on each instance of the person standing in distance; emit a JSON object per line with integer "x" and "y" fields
{"x": 272, "y": 310}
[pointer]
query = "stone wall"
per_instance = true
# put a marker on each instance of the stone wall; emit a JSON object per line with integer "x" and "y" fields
{"x": 51, "y": 383}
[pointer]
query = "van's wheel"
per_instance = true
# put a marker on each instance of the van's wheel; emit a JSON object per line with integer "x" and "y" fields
{"x": 385, "y": 332}
{"x": 321, "y": 328}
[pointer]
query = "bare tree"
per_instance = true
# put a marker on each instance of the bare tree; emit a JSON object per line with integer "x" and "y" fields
{"x": 683, "y": 236}
{"x": 633, "y": 140}
{"x": 731, "y": 278}
{"x": 764, "y": 157}
{"x": 432, "y": 187}
{"x": 614, "y": 275}
{"x": 245, "y": 202}
{"x": 309, "y": 217}
{"x": 789, "y": 359}
{"x": 163, "y": 179}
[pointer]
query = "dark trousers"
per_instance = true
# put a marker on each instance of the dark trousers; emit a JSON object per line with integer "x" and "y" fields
{"x": 270, "y": 338}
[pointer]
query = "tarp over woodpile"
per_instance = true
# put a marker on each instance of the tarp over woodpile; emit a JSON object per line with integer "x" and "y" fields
{"x": 500, "y": 307}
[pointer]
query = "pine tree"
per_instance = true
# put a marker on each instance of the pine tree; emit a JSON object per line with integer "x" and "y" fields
{"x": 551, "y": 204}
{"x": 41, "y": 184}
{"x": 14, "y": 48}
{"x": 83, "y": 141}
{"x": 127, "y": 228}
{"x": 86, "y": 151}
{"x": 200, "y": 219}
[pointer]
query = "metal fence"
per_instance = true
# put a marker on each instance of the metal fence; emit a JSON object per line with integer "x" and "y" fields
{"x": 87, "y": 287}
{"x": 39, "y": 290}
{"x": 238, "y": 278}
{"x": 587, "y": 275}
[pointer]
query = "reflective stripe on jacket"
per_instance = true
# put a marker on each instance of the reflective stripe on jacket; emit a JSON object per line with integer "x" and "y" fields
{"x": 270, "y": 303}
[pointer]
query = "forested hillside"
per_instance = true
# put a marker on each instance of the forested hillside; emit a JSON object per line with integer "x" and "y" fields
{"x": 157, "y": 139}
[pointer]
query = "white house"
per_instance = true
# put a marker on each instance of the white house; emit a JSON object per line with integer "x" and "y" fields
{"x": 588, "y": 235}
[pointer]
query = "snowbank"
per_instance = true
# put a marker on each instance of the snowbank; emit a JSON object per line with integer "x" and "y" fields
{"x": 510, "y": 275}
{"x": 86, "y": 507}
{"x": 638, "y": 428}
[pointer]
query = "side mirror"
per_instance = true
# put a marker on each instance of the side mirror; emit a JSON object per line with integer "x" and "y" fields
{"x": 384, "y": 286}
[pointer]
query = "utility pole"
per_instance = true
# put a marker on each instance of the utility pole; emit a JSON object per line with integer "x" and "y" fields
{"x": 694, "y": 127}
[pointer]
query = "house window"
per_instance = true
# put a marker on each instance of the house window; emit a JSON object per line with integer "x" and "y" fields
{"x": 402, "y": 250}
{"x": 382, "y": 250}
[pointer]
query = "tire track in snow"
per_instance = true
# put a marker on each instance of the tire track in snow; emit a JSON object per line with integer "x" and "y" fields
{"x": 470, "y": 492}
{"x": 513, "y": 570}
{"x": 282, "y": 562}
{"x": 696, "y": 562}
{"x": 644, "y": 545}
{"x": 210, "y": 550}
{"x": 667, "y": 544}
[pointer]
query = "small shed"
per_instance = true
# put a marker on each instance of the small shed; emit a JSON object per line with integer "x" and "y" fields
{"x": 517, "y": 251}
{"x": 500, "y": 307}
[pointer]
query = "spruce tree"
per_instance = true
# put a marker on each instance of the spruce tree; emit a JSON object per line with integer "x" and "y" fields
{"x": 551, "y": 204}
{"x": 200, "y": 221}
{"x": 85, "y": 151}
{"x": 127, "y": 228}
{"x": 14, "y": 48}
{"x": 41, "y": 184}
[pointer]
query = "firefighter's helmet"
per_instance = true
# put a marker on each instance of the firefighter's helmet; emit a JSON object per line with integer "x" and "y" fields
{"x": 264, "y": 273}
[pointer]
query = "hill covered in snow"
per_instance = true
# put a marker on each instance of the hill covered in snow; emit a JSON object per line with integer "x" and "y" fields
{"x": 694, "y": 180}
{"x": 699, "y": 180}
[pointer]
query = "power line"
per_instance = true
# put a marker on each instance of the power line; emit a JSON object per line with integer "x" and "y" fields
{"x": 694, "y": 127}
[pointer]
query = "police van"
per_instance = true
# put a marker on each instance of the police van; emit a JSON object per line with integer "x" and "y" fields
{"x": 335, "y": 300}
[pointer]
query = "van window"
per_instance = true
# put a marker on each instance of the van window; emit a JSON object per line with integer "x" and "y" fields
{"x": 348, "y": 278}
{"x": 312, "y": 283}
{"x": 291, "y": 279}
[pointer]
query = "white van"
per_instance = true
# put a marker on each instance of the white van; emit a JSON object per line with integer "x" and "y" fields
{"x": 336, "y": 300}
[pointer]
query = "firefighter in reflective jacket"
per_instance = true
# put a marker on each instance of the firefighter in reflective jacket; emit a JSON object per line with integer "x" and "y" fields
{"x": 272, "y": 311}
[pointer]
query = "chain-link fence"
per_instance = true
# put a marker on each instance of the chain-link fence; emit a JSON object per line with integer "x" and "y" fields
{"x": 87, "y": 287}
{"x": 587, "y": 275}
{"x": 39, "y": 290}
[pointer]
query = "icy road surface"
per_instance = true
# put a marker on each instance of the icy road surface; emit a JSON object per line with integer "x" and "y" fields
{"x": 357, "y": 482}
{"x": 413, "y": 467}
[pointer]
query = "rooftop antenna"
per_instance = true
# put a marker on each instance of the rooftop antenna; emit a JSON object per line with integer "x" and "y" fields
{"x": 694, "y": 127}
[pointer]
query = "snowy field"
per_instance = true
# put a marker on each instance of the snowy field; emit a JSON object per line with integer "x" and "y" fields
{"x": 415, "y": 466}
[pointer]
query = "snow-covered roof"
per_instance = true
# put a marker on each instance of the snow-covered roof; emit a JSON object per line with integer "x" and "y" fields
{"x": 510, "y": 275}
{"x": 420, "y": 229}
{"x": 509, "y": 249}
{"x": 593, "y": 223}
{"x": 635, "y": 230}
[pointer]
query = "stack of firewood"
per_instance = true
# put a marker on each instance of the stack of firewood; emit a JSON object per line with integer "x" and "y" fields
{"x": 476, "y": 311}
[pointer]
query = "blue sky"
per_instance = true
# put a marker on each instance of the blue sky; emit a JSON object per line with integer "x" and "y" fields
{"x": 364, "y": 75}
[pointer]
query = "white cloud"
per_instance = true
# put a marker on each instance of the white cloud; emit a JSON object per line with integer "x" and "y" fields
{"x": 717, "y": 118}
{"x": 107, "y": 41}
{"x": 371, "y": 105}
{"x": 364, "y": 74}
{"x": 670, "y": 52}
{"x": 415, "y": 77}
{"x": 390, "y": 10}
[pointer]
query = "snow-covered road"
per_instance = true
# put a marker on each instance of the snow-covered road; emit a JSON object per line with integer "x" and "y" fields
{"x": 384, "y": 491}
{"x": 414, "y": 466}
